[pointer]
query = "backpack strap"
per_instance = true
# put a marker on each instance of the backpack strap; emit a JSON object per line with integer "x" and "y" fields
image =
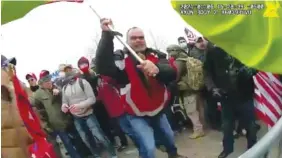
{"x": 81, "y": 84}
{"x": 64, "y": 88}
{"x": 182, "y": 59}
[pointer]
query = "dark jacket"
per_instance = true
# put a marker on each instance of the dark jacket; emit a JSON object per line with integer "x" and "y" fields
{"x": 230, "y": 75}
{"x": 106, "y": 57}
{"x": 92, "y": 78}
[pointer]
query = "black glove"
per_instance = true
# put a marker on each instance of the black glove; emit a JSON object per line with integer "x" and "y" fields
{"x": 115, "y": 33}
{"x": 216, "y": 92}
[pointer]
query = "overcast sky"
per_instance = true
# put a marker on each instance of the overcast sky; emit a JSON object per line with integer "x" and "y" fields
{"x": 62, "y": 32}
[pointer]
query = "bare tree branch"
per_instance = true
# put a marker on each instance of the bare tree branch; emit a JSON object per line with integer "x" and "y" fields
{"x": 91, "y": 52}
{"x": 158, "y": 41}
{"x": 153, "y": 38}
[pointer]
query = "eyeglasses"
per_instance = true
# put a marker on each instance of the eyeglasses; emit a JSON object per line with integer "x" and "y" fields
{"x": 137, "y": 37}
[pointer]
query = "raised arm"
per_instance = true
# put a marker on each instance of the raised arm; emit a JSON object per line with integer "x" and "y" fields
{"x": 104, "y": 60}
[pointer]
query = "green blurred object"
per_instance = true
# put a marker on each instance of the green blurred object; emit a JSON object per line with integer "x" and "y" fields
{"x": 255, "y": 39}
{"x": 12, "y": 10}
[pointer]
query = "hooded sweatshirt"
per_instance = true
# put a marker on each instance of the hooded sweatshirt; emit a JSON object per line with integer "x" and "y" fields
{"x": 73, "y": 94}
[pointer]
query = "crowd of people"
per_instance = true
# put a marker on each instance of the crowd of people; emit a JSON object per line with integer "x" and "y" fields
{"x": 115, "y": 94}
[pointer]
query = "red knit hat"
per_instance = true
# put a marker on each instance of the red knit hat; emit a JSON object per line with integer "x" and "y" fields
{"x": 82, "y": 60}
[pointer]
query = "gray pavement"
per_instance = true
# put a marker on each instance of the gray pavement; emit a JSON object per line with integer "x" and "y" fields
{"x": 205, "y": 147}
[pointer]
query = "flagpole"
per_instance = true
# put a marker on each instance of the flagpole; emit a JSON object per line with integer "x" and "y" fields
{"x": 119, "y": 39}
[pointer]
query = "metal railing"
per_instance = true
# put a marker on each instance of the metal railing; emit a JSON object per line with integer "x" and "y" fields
{"x": 269, "y": 140}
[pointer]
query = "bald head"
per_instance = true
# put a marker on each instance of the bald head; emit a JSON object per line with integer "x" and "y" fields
{"x": 136, "y": 39}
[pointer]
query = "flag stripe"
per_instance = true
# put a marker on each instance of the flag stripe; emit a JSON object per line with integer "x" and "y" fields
{"x": 277, "y": 85}
{"x": 266, "y": 110}
{"x": 268, "y": 97}
{"x": 268, "y": 92}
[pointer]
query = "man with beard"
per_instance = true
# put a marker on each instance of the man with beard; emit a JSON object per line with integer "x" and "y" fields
{"x": 143, "y": 89}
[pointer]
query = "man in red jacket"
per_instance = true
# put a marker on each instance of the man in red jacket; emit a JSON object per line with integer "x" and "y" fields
{"x": 142, "y": 88}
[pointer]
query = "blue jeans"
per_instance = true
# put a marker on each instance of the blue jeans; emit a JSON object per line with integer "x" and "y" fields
{"x": 102, "y": 143}
{"x": 139, "y": 129}
{"x": 67, "y": 143}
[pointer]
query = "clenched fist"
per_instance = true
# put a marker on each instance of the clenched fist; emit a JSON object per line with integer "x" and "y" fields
{"x": 149, "y": 68}
{"x": 105, "y": 24}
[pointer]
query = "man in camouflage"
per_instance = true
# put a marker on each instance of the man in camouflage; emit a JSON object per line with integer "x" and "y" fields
{"x": 189, "y": 96}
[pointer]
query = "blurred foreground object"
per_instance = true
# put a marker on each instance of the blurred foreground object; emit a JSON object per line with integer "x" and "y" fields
{"x": 254, "y": 39}
{"x": 15, "y": 138}
{"x": 12, "y": 10}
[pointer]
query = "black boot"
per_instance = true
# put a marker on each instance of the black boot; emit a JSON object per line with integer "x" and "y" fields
{"x": 224, "y": 154}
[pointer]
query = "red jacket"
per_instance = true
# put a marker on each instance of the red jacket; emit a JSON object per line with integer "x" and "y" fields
{"x": 141, "y": 95}
{"x": 142, "y": 101}
{"x": 108, "y": 93}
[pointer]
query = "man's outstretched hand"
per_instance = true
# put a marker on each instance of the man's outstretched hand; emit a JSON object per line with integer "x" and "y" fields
{"x": 105, "y": 24}
{"x": 149, "y": 68}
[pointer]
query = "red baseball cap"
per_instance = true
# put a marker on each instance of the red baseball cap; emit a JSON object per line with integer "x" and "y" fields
{"x": 30, "y": 75}
{"x": 44, "y": 76}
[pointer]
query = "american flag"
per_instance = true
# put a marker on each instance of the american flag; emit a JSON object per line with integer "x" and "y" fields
{"x": 268, "y": 97}
{"x": 191, "y": 36}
